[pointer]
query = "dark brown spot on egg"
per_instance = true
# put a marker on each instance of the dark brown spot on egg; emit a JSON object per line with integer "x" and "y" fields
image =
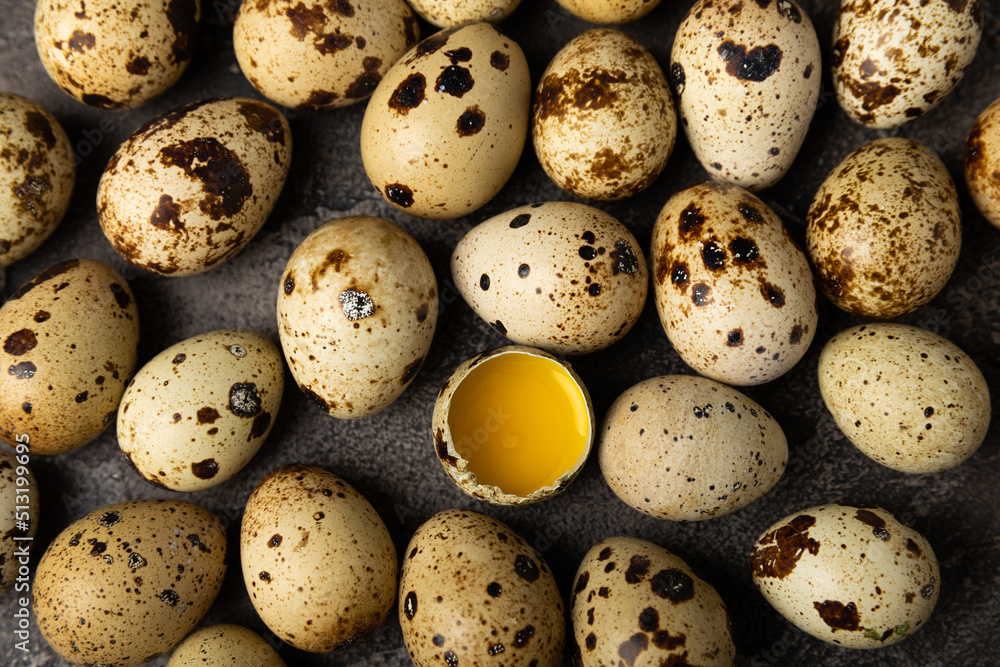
{"x": 523, "y": 271}
{"x": 700, "y": 294}
{"x": 26, "y": 407}
{"x": 460, "y": 55}
{"x": 39, "y": 127}
{"x": 472, "y": 120}
{"x": 499, "y": 327}
{"x": 399, "y": 194}
{"x": 319, "y": 99}
{"x": 41, "y": 316}
{"x": 262, "y": 119}
{"x": 520, "y": 221}
{"x": 244, "y": 401}
{"x": 875, "y": 521}
{"x": 138, "y": 66}
{"x": 663, "y": 640}
{"x": 672, "y": 584}
{"x": 788, "y": 10}
{"x": 81, "y": 397}
{"x": 97, "y": 548}
{"x": 743, "y": 250}
{"x": 581, "y": 582}
{"x": 81, "y": 42}
{"x": 756, "y": 65}
{"x": 223, "y": 177}
{"x": 679, "y": 276}
{"x": 121, "y": 295}
{"x": 838, "y": 615}
{"x": 595, "y": 89}
{"x": 677, "y": 78}
{"x": 623, "y": 258}
{"x": 430, "y": 45}
{"x": 649, "y": 620}
{"x": 101, "y": 101}
{"x": 109, "y": 519}
{"x": 206, "y": 415}
{"x": 450, "y": 659}
{"x": 494, "y": 590}
{"x": 166, "y": 215}
{"x": 713, "y": 256}
{"x": 22, "y": 371}
{"x": 411, "y": 371}
{"x": 265, "y": 576}
{"x": 912, "y": 547}
{"x": 594, "y": 289}
{"x": 438, "y": 640}
{"x": 526, "y": 568}
{"x": 408, "y": 94}
{"x": 638, "y": 568}
{"x": 289, "y": 285}
{"x": 734, "y": 338}
{"x": 796, "y": 336}
{"x": 341, "y": 7}
{"x": 170, "y": 597}
{"x": 206, "y": 469}
{"x": 691, "y": 221}
{"x": 455, "y": 81}
{"x": 366, "y": 82}
{"x": 871, "y": 93}
{"x": 259, "y": 426}
{"x": 183, "y": 17}
{"x": 499, "y": 60}
{"x": 522, "y": 636}
{"x": 778, "y": 552}
{"x": 587, "y": 252}
{"x": 630, "y": 649}
{"x": 275, "y": 541}
{"x": 20, "y": 342}
{"x": 927, "y": 592}
{"x": 774, "y": 295}
{"x": 410, "y": 605}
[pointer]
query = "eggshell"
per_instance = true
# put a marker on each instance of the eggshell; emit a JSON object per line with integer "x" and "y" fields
{"x": 473, "y": 592}
{"x": 853, "y": 576}
{"x": 982, "y": 163}
{"x": 69, "y": 345}
{"x": 603, "y": 120}
{"x": 562, "y": 276}
{"x": 127, "y": 582}
{"x": 197, "y": 412}
{"x": 884, "y": 229}
{"x": 894, "y": 61}
{"x": 605, "y": 11}
{"x": 191, "y": 187}
{"x": 113, "y": 54}
{"x": 906, "y": 397}
{"x": 635, "y": 601}
{"x": 747, "y": 79}
{"x": 36, "y": 176}
{"x": 456, "y": 104}
{"x": 225, "y": 645}
{"x": 19, "y": 510}
{"x": 318, "y": 562}
{"x": 451, "y": 13}
{"x": 733, "y": 290}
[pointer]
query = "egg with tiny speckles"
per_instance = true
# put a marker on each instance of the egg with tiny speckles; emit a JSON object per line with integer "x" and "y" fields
{"x": 734, "y": 292}
{"x": 609, "y": 11}
{"x": 473, "y": 592}
{"x": 128, "y": 582}
{"x": 635, "y": 601}
{"x": 19, "y": 504}
{"x": 851, "y": 576}
{"x": 884, "y": 229}
{"x": 318, "y": 562}
{"x": 747, "y": 78}
{"x": 225, "y": 645}
{"x": 982, "y": 163}
{"x": 451, "y": 13}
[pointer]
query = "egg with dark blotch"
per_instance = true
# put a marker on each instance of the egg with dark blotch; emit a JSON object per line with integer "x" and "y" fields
{"x": 19, "y": 512}
{"x": 982, "y": 163}
{"x": 225, "y": 645}
{"x": 609, "y": 11}
{"x": 452, "y": 13}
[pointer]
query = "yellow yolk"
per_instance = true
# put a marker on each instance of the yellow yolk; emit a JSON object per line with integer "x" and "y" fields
{"x": 520, "y": 421}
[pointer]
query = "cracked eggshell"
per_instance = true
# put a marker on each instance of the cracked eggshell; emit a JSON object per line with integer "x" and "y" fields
{"x": 452, "y": 13}
{"x": 190, "y": 188}
{"x": 473, "y": 592}
{"x": 907, "y": 398}
{"x": 686, "y": 448}
{"x": 562, "y": 276}
{"x": 609, "y": 12}
{"x": 635, "y": 601}
{"x": 733, "y": 290}
{"x": 852, "y": 576}
{"x": 747, "y": 78}
{"x": 17, "y": 503}
{"x": 982, "y": 163}
{"x": 69, "y": 346}
{"x": 127, "y": 582}
{"x": 884, "y": 229}
{"x": 357, "y": 308}
{"x": 456, "y": 104}
{"x": 36, "y": 176}
{"x": 112, "y": 54}
{"x": 225, "y": 645}
{"x": 198, "y": 411}
{"x": 894, "y": 61}
{"x": 318, "y": 562}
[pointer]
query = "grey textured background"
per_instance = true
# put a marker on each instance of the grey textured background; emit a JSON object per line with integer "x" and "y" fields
{"x": 389, "y": 457}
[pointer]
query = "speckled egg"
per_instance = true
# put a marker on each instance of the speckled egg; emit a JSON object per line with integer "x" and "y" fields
{"x": 318, "y": 562}
{"x": 357, "y": 308}
{"x": 69, "y": 346}
{"x": 36, "y": 176}
{"x": 321, "y": 55}
{"x": 982, "y": 163}
{"x": 454, "y": 105}
{"x": 603, "y": 120}
{"x": 197, "y": 412}
{"x": 127, "y": 582}
{"x": 562, "y": 276}
{"x": 473, "y": 592}
{"x": 19, "y": 502}
{"x": 884, "y": 229}
{"x": 191, "y": 187}
{"x": 225, "y": 645}
{"x": 733, "y": 290}
{"x": 747, "y": 78}
{"x": 451, "y": 13}
{"x": 894, "y": 61}
{"x": 609, "y": 11}
{"x": 906, "y": 397}
{"x": 687, "y": 448}
{"x": 853, "y": 576}
{"x": 636, "y": 602}
{"x": 111, "y": 54}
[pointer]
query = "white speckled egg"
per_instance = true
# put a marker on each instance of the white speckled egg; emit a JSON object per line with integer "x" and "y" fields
{"x": 19, "y": 502}
{"x": 225, "y": 645}
{"x": 456, "y": 104}
{"x": 636, "y": 602}
{"x": 191, "y": 187}
{"x": 603, "y": 121}
{"x": 318, "y": 562}
{"x": 852, "y": 576}
{"x": 734, "y": 292}
{"x": 906, "y": 397}
{"x": 452, "y": 13}
{"x": 982, "y": 163}
{"x": 893, "y": 61}
{"x": 609, "y": 11}
{"x": 197, "y": 412}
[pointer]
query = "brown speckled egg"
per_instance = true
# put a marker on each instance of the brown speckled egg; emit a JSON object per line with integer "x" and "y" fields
{"x": 885, "y": 229}
{"x": 747, "y": 78}
{"x": 357, "y": 308}
{"x": 603, "y": 121}
{"x": 982, "y": 163}
{"x": 686, "y": 448}
{"x": 562, "y": 276}
{"x": 318, "y": 562}
{"x": 191, "y": 187}
{"x": 852, "y": 576}
{"x": 225, "y": 645}
{"x": 321, "y": 55}
{"x": 636, "y": 602}
{"x": 733, "y": 290}
{"x": 609, "y": 11}
{"x": 895, "y": 60}
{"x": 36, "y": 176}
{"x": 473, "y": 592}
{"x": 112, "y": 54}
{"x": 906, "y": 397}
{"x": 197, "y": 412}
{"x": 456, "y": 104}
{"x": 451, "y": 13}
{"x": 69, "y": 346}
{"x": 127, "y": 582}
{"x": 19, "y": 502}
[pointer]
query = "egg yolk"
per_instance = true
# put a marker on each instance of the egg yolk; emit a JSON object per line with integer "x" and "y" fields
{"x": 520, "y": 421}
